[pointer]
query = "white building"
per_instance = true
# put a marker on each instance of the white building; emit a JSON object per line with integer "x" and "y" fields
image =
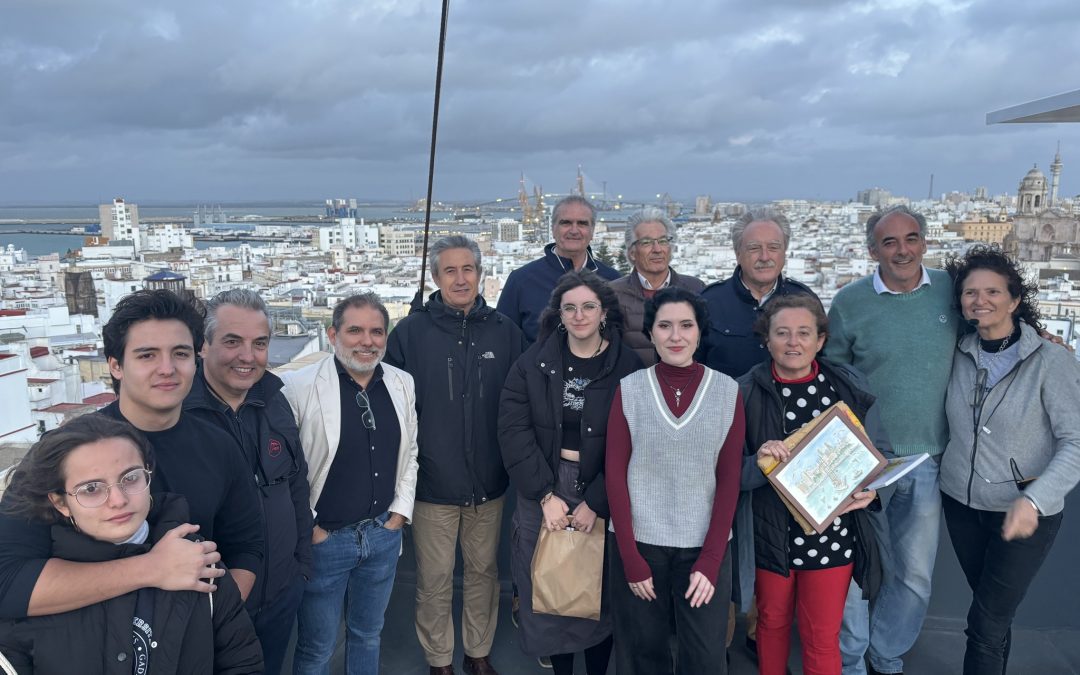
{"x": 348, "y": 234}
{"x": 166, "y": 236}
{"x": 506, "y": 229}
{"x": 17, "y": 425}
{"x": 120, "y": 221}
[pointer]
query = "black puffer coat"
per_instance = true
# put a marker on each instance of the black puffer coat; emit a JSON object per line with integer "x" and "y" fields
{"x": 196, "y": 633}
{"x": 763, "y": 423}
{"x": 531, "y": 413}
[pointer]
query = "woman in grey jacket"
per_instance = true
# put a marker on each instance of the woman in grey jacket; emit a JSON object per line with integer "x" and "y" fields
{"x": 1014, "y": 447}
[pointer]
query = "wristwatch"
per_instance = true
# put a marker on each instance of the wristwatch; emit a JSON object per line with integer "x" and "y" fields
{"x": 547, "y": 498}
{"x": 1035, "y": 506}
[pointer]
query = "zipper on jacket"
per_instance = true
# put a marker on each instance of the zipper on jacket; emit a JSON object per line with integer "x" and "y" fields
{"x": 979, "y": 422}
{"x": 480, "y": 374}
{"x": 450, "y": 375}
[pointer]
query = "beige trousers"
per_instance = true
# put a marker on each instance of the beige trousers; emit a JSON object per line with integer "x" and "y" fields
{"x": 436, "y": 530}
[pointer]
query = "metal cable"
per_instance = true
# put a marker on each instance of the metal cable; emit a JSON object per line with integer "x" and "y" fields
{"x": 434, "y": 134}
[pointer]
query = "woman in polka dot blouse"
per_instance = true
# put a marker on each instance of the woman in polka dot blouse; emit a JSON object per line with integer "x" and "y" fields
{"x": 798, "y": 574}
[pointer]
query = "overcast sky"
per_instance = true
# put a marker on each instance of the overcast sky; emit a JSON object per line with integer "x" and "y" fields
{"x": 230, "y": 100}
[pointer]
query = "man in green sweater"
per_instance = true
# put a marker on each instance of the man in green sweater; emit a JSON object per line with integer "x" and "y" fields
{"x": 899, "y": 328}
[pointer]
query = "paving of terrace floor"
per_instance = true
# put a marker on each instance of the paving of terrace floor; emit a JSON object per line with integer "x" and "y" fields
{"x": 1046, "y": 633}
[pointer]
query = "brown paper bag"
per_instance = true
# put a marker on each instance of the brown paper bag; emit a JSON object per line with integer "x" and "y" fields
{"x": 568, "y": 572}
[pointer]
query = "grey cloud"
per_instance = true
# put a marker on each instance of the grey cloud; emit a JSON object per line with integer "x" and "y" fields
{"x": 246, "y": 100}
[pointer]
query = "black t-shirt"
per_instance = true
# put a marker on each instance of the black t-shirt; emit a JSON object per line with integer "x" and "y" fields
{"x": 577, "y": 374}
{"x": 194, "y": 459}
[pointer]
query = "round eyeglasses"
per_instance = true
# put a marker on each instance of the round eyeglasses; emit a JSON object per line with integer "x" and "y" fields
{"x": 94, "y": 494}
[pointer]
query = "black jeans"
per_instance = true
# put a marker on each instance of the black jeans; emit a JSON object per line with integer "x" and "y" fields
{"x": 999, "y": 573}
{"x": 643, "y": 629}
{"x": 274, "y": 624}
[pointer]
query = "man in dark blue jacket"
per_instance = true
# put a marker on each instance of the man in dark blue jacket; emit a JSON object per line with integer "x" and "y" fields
{"x": 233, "y": 391}
{"x": 760, "y": 239}
{"x": 528, "y": 288}
{"x": 458, "y": 350}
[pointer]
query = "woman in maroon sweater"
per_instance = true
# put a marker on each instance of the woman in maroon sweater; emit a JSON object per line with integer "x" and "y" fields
{"x": 674, "y": 448}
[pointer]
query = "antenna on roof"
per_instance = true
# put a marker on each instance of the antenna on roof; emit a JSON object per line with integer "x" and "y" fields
{"x": 418, "y": 301}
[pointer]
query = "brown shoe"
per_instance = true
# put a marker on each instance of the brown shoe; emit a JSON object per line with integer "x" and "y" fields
{"x": 478, "y": 666}
{"x": 441, "y": 670}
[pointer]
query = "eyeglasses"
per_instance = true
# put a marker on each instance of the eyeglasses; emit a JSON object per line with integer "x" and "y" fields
{"x": 587, "y": 308}
{"x": 94, "y": 494}
{"x": 647, "y": 242}
{"x": 366, "y": 416}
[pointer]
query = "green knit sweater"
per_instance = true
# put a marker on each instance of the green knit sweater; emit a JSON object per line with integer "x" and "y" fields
{"x": 904, "y": 345}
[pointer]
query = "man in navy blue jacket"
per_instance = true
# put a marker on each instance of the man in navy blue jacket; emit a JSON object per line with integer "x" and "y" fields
{"x": 528, "y": 288}
{"x": 233, "y": 391}
{"x": 760, "y": 239}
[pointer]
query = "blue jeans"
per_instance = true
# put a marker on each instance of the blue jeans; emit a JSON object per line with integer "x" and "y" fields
{"x": 889, "y": 628}
{"x": 355, "y": 567}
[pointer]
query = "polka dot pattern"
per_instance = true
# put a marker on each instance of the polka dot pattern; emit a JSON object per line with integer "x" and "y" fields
{"x": 802, "y": 402}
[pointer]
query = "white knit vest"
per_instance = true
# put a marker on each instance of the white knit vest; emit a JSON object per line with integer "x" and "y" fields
{"x": 672, "y": 471}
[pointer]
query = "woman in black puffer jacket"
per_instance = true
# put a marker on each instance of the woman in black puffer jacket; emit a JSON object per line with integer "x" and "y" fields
{"x": 552, "y": 433}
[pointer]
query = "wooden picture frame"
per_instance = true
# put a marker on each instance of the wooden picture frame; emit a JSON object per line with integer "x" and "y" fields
{"x": 833, "y": 459}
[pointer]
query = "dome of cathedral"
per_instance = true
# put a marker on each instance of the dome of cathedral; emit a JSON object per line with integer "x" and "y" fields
{"x": 1034, "y": 180}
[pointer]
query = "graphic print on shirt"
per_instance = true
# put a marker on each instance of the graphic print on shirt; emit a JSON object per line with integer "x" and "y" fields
{"x": 143, "y": 642}
{"x": 574, "y": 393}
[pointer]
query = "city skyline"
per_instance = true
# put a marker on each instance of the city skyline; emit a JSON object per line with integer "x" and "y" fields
{"x": 291, "y": 101}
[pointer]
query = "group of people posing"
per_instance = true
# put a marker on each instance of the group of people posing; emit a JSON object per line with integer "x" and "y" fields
{"x": 639, "y": 404}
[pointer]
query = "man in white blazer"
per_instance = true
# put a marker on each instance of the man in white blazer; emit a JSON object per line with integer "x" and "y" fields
{"x": 357, "y": 419}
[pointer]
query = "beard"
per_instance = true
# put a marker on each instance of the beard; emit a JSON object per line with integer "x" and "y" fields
{"x": 355, "y": 365}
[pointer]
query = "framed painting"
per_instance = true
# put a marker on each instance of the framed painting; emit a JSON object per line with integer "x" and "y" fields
{"x": 832, "y": 460}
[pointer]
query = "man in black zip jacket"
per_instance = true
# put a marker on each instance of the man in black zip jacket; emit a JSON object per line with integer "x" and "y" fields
{"x": 233, "y": 391}
{"x": 458, "y": 350}
{"x": 150, "y": 343}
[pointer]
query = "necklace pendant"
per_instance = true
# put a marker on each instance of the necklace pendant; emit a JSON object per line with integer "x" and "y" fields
{"x": 678, "y": 397}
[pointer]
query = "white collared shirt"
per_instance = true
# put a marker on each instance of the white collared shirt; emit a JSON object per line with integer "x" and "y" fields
{"x": 764, "y": 298}
{"x": 880, "y": 287}
{"x": 649, "y": 287}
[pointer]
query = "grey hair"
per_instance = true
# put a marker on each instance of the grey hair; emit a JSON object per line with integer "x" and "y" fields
{"x": 238, "y": 297}
{"x": 901, "y": 209}
{"x": 359, "y": 301}
{"x": 763, "y": 214}
{"x": 447, "y": 243}
{"x": 573, "y": 199}
{"x": 649, "y": 214}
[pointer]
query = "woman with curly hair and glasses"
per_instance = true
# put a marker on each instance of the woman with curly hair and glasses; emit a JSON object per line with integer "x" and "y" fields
{"x": 90, "y": 479}
{"x": 552, "y": 428}
{"x": 1014, "y": 446}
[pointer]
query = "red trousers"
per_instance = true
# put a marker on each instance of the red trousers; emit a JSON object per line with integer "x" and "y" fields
{"x": 817, "y": 598}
